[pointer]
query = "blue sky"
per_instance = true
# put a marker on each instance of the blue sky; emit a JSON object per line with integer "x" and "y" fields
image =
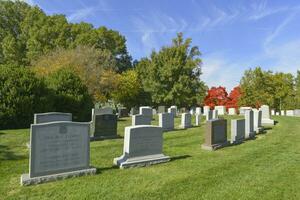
{"x": 232, "y": 35}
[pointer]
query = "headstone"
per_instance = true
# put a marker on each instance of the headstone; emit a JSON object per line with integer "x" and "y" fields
{"x": 143, "y": 146}
{"x": 209, "y": 115}
{"x": 216, "y": 134}
{"x": 290, "y": 113}
{"x": 297, "y": 112}
{"x": 134, "y": 111}
{"x": 141, "y": 120}
{"x": 173, "y": 111}
{"x": 146, "y": 110}
{"x": 257, "y": 121}
{"x": 237, "y": 130}
{"x": 243, "y": 109}
{"x": 266, "y": 120}
{"x": 282, "y": 112}
{"x": 105, "y": 126}
{"x": 206, "y": 109}
{"x": 104, "y": 110}
{"x": 122, "y": 112}
{"x": 154, "y": 112}
{"x": 192, "y": 111}
{"x": 52, "y": 117}
{"x": 249, "y": 124}
{"x": 215, "y": 114}
{"x": 58, "y": 150}
{"x": 166, "y": 121}
{"x": 198, "y": 111}
{"x": 272, "y": 112}
{"x": 198, "y": 119}
{"x": 183, "y": 110}
{"x": 161, "y": 109}
{"x": 186, "y": 119}
{"x": 221, "y": 110}
{"x": 231, "y": 111}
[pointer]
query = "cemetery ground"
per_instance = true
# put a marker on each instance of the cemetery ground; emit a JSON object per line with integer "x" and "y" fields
{"x": 265, "y": 168}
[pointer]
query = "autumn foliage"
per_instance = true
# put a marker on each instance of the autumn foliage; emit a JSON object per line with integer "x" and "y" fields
{"x": 218, "y": 96}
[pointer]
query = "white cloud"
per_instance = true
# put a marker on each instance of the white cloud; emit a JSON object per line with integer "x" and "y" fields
{"x": 80, "y": 14}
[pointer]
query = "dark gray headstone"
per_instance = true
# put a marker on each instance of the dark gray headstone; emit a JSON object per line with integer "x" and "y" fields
{"x": 105, "y": 126}
{"x": 122, "y": 112}
{"x": 161, "y": 109}
{"x": 52, "y": 117}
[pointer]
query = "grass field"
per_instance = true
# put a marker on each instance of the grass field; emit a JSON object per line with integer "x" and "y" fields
{"x": 265, "y": 168}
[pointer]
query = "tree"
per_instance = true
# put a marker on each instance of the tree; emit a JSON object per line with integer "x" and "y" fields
{"x": 172, "y": 75}
{"x": 87, "y": 62}
{"x": 216, "y": 96}
{"x": 129, "y": 91}
{"x": 21, "y": 95}
{"x": 234, "y": 97}
{"x": 297, "y": 90}
{"x": 70, "y": 95}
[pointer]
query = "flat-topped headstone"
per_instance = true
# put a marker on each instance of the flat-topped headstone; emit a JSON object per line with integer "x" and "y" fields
{"x": 198, "y": 110}
{"x": 290, "y": 113}
{"x": 105, "y": 126}
{"x": 297, "y": 112}
{"x": 215, "y": 114}
{"x": 198, "y": 119}
{"x": 52, "y": 117}
{"x": 206, "y": 109}
{"x": 257, "y": 121}
{"x": 192, "y": 111}
{"x": 249, "y": 124}
{"x": 209, "y": 115}
{"x": 58, "y": 150}
{"x": 237, "y": 130}
{"x": 221, "y": 110}
{"x": 141, "y": 120}
{"x": 122, "y": 112}
{"x": 243, "y": 109}
{"x": 154, "y": 112}
{"x": 282, "y": 112}
{"x": 231, "y": 111}
{"x": 173, "y": 110}
{"x": 186, "y": 120}
{"x": 277, "y": 113}
{"x": 183, "y": 110}
{"x": 166, "y": 121}
{"x": 161, "y": 109}
{"x": 272, "y": 112}
{"x": 143, "y": 145}
{"x": 146, "y": 110}
{"x": 134, "y": 111}
{"x": 266, "y": 120}
{"x": 216, "y": 134}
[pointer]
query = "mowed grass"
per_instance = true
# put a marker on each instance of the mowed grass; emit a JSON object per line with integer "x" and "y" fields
{"x": 265, "y": 168}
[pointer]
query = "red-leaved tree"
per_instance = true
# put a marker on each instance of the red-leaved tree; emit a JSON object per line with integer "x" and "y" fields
{"x": 216, "y": 96}
{"x": 233, "y": 99}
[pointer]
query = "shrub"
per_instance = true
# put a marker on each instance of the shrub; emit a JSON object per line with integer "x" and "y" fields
{"x": 70, "y": 94}
{"x": 21, "y": 95}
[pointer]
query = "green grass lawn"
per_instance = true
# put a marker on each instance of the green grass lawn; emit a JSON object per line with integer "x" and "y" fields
{"x": 265, "y": 168}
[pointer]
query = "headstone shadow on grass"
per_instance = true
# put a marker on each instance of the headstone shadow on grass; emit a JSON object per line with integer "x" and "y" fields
{"x": 173, "y": 158}
{"x": 6, "y": 154}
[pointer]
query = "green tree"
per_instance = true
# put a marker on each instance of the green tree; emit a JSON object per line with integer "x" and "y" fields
{"x": 70, "y": 94}
{"x": 21, "y": 95}
{"x": 297, "y": 90}
{"x": 172, "y": 75}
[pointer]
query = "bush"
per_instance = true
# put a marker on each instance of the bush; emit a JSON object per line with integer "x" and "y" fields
{"x": 70, "y": 94}
{"x": 21, "y": 95}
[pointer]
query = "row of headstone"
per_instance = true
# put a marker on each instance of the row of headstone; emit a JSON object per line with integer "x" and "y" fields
{"x": 291, "y": 113}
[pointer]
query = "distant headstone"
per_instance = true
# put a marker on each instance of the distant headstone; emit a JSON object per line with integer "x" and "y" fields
{"x": 266, "y": 120}
{"x": 143, "y": 146}
{"x": 231, "y": 111}
{"x": 277, "y": 113}
{"x": 297, "y": 112}
{"x": 192, "y": 111}
{"x": 216, "y": 134}
{"x": 215, "y": 114}
{"x": 52, "y": 117}
{"x": 134, "y": 111}
{"x": 105, "y": 126}
{"x": 198, "y": 110}
{"x": 243, "y": 109}
{"x": 257, "y": 121}
{"x": 161, "y": 109}
{"x": 183, "y": 110}
{"x": 206, "y": 109}
{"x": 198, "y": 119}
{"x": 237, "y": 130}
{"x": 146, "y": 110}
{"x": 272, "y": 112}
{"x": 154, "y": 112}
{"x": 141, "y": 120}
{"x": 122, "y": 112}
{"x": 58, "y": 150}
{"x": 209, "y": 115}
{"x": 186, "y": 120}
{"x": 290, "y": 113}
{"x": 221, "y": 110}
{"x": 166, "y": 121}
{"x": 249, "y": 124}
{"x": 282, "y": 112}
{"x": 172, "y": 110}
